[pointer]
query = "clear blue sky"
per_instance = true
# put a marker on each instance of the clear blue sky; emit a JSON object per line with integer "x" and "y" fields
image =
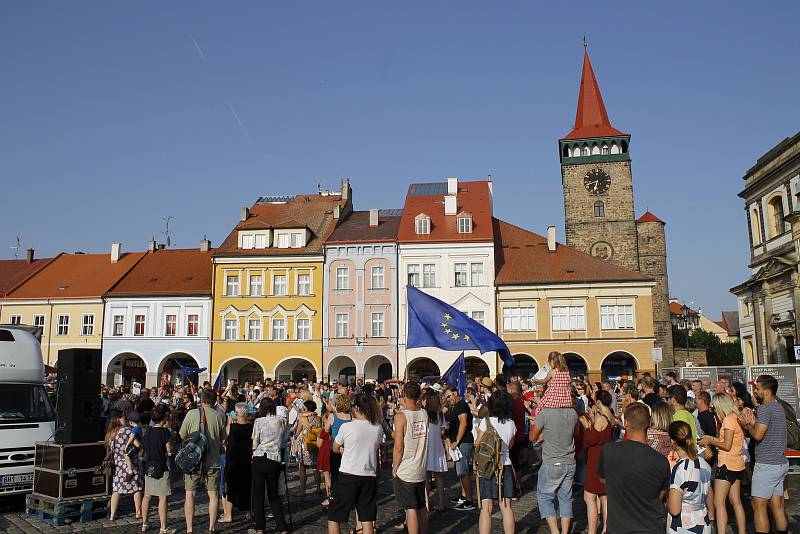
{"x": 114, "y": 115}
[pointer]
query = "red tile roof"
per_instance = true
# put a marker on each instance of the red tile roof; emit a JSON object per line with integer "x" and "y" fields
{"x": 356, "y": 228}
{"x": 314, "y": 212}
{"x": 473, "y": 197}
{"x": 522, "y": 257}
{"x": 591, "y": 119}
{"x": 676, "y": 308}
{"x": 76, "y": 276}
{"x": 168, "y": 272}
{"x": 13, "y": 272}
{"x": 649, "y": 217}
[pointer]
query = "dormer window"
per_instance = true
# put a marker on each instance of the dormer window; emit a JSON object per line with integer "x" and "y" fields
{"x": 422, "y": 224}
{"x": 249, "y": 240}
{"x": 465, "y": 223}
{"x": 283, "y": 240}
{"x": 297, "y": 240}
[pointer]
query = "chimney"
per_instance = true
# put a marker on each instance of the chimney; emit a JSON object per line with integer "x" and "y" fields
{"x": 345, "y": 189}
{"x": 490, "y": 185}
{"x": 551, "y": 239}
{"x": 29, "y": 256}
{"x": 337, "y": 212}
{"x": 452, "y": 186}
{"x": 116, "y": 249}
{"x": 205, "y": 245}
{"x": 245, "y": 213}
{"x": 373, "y": 217}
{"x": 151, "y": 245}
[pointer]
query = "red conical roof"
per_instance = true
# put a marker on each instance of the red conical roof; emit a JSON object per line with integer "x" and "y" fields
{"x": 649, "y": 217}
{"x": 591, "y": 119}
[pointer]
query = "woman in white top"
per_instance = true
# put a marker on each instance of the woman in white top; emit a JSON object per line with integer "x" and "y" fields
{"x": 501, "y": 417}
{"x": 437, "y": 459}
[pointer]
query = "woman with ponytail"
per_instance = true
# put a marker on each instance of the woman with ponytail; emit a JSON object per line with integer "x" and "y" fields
{"x": 689, "y": 485}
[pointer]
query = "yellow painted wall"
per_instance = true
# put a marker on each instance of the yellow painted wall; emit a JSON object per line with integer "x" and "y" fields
{"x": 51, "y": 341}
{"x": 267, "y": 352}
{"x": 593, "y": 343}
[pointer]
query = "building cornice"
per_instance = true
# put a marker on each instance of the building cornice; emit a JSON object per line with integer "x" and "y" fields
{"x": 228, "y": 260}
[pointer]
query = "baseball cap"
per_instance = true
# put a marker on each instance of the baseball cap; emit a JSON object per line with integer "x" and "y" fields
{"x": 487, "y": 382}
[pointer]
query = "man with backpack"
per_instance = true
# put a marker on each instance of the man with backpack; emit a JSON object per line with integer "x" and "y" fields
{"x": 410, "y": 459}
{"x": 204, "y": 429}
{"x": 493, "y": 466}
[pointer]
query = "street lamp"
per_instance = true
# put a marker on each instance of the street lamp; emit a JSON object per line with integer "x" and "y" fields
{"x": 686, "y": 324}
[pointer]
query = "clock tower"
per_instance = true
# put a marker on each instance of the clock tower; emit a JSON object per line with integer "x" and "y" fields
{"x": 597, "y": 181}
{"x": 598, "y": 202}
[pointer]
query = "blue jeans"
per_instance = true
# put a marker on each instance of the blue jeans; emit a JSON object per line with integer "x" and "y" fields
{"x": 555, "y": 482}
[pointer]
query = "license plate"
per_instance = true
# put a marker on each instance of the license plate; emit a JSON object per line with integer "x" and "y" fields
{"x": 14, "y": 480}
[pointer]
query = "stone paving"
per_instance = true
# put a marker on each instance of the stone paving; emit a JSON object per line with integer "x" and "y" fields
{"x": 309, "y": 517}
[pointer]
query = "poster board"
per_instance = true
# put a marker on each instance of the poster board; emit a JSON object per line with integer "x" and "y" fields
{"x": 787, "y": 376}
{"x": 698, "y": 373}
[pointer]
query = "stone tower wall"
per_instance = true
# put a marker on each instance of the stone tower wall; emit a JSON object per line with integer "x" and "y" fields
{"x": 617, "y": 228}
{"x": 653, "y": 262}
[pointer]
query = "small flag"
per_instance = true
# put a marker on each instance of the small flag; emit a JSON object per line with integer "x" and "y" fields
{"x": 218, "y": 383}
{"x": 456, "y": 375}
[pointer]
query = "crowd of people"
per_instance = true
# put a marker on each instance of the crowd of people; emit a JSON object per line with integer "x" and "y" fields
{"x": 646, "y": 455}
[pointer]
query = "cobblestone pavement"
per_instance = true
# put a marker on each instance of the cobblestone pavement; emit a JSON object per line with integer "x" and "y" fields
{"x": 308, "y": 517}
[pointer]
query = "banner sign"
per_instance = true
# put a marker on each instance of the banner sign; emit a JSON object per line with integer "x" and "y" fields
{"x": 787, "y": 377}
{"x": 698, "y": 373}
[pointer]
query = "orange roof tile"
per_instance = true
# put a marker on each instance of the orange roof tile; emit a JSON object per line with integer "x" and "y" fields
{"x": 168, "y": 272}
{"x": 522, "y": 257}
{"x": 676, "y": 308}
{"x": 472, "y": 197}
{"x": 13, "y": 272}
{"x": 591, "y": 119}
{"x": 76, "y": 276}
{"x": 649, "y": 217}
{"x": 314, "y": 212}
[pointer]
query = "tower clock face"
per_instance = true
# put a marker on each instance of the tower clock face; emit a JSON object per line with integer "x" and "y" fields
{"x": 597, "y": 181}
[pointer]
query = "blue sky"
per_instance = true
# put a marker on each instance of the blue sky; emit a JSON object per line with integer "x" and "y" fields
{"x": 115, "y": 115}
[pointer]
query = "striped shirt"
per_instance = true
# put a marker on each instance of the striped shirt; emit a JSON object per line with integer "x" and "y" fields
{"x": 772, "y": 447}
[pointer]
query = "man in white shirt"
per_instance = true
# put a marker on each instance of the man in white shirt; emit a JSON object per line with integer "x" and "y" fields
{"x": 409, "y": 459}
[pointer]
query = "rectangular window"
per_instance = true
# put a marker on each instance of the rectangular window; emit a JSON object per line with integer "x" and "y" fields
{"x": 461, "y": 276}
{"x": 519, "y": 319}
{"x": 193, "y": 325}
{"x": 429, "y": 275}
{"x": 63, "y": 325}
{"x": 303, "y": 329}
{"x": 248, "y": 241}
{"x": 138, "y": 325}
{"x": 87, "y": 324}
{"x": 254, "y": 329}
{"x": 478, "y": 316}
{"x": 378, "y": 279}
{"x": 283, "y": 240}
{"x": 476, "y": 274}
{"x": 378, "y": 324}
{"x": 568, "y": 318}
{"x": 279, "y": 329}
{"x": 413, "y": 274}
{"x": 297, "y": 240}
{"x": 38, "y": 320}
{"x": 232, "y": 285}
{"x": 616, "y": 317}
{"x": 261, "y": 240}
{"x": 231, "y": 329}
{"x": 15, "y": 319}
{"x": 342, "y": 325}
{"x": 464, "y": 225}
{"x": 170, "y": 325}
{"x": 279, "y": 285}
{"x": 423, "y": 226}
{"x": 303, "y": 284}
{"x": 119, "y": 325}
{"x": 342, "y": 278}
{"x": 256, "y": 285}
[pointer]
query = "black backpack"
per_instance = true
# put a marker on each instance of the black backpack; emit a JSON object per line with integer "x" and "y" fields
{"x": 190, "y": 457}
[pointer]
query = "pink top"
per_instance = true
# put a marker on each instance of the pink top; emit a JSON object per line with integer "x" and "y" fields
{"x": 558, "y": 394}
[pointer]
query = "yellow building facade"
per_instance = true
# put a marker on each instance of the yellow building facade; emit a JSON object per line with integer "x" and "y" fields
{"x": 66, "y": 324}
{"x": 268, "y": 288}
{"x": 267, "y": 319}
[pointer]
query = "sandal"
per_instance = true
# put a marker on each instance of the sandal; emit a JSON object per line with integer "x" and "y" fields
{"x": 145, "y": 526}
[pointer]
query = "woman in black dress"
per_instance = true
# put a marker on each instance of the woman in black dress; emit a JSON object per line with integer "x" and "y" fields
{"x": 238, "y": 452}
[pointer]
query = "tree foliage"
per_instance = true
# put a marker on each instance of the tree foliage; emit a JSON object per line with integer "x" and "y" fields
{"x": 717, "y": 352}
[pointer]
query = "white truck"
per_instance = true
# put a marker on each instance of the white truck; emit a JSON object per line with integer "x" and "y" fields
{"x": 26, "y": 414}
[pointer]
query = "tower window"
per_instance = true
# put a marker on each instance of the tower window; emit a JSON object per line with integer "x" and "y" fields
{"x": 604, "y": 150}
{"x": 585, "y": 151}
{"x": 599, "y": 209}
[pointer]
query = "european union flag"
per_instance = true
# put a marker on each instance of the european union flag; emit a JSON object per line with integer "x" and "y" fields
{"x": 433, "y": 323}
{"x": 456, "y": 376}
